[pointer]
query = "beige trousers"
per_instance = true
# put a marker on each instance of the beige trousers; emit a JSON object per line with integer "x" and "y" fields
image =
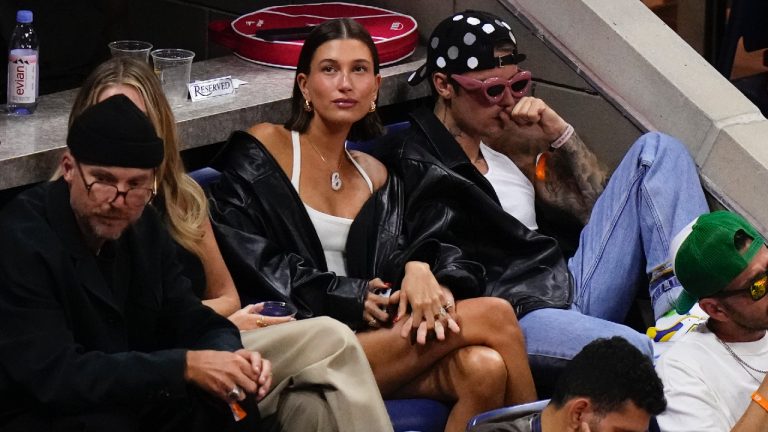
{"x": 322, "y": 357}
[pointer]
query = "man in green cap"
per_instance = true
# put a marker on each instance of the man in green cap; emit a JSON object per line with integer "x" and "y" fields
{"x": 714, "y": 376}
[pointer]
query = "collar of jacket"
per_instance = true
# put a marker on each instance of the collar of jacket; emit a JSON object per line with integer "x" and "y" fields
{"x": 61, "y": 218}
{"x": 441, "y": 144}
{"x": 246, "y": 157}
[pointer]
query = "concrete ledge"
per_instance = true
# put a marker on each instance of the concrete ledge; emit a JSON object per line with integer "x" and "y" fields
{"x": 737, "y": 170}
{"x": 634, "y": 59}
{"x": 30, "y": 146}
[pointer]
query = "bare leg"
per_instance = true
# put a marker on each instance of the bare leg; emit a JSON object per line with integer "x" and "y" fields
{"x": 475, "y": 377}
{"x": 484, "y": 321}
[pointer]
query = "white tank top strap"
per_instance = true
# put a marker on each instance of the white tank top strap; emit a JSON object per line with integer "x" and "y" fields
{"x": 361, "y": 170}
{"x": 296, "y": 168}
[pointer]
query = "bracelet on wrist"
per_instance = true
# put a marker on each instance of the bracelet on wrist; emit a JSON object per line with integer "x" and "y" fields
{"x": 760, "y": 400}
{"x": 565, "y": 136}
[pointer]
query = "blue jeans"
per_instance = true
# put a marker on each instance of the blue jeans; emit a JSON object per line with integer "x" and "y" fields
{"x": 654, "y": 193}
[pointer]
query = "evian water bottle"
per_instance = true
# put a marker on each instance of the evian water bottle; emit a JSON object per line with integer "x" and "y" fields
{"x": 23, "y": 66}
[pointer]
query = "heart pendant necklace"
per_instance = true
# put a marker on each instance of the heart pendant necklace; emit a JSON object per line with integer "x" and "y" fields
{"x": 336, "y": 182}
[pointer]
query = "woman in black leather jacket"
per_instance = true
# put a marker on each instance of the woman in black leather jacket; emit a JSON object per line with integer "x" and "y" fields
{"x": 289, "y": 196}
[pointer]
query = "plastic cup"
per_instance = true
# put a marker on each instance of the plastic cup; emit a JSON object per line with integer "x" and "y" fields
{"x": 278, "y": 309}
{"x": 131, "y": 48}
{"x": 172, "y": 67}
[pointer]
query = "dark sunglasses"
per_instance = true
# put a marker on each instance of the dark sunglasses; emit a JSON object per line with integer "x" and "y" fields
{"x": 756, "y": 289}
{"x": 494, "y": 88}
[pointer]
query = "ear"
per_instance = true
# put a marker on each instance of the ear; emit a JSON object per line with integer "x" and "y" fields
{"x": 67, "y": 166}
{"x": 442, "y": 85}
{"x": 378, "y": 86}
{"x": 301, "y": 80}
{"x": 577, "y": 410}
{"x": 714, "y": 309}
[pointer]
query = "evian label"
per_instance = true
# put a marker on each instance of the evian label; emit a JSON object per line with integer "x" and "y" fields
{"x": 22, "y": 76}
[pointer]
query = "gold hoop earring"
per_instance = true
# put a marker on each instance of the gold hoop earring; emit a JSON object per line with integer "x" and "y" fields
{"x": 373, "y": 106}
{"x": 307, "y": 106}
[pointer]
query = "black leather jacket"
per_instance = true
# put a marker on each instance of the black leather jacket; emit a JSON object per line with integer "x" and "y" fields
{"x": 273, "y": 252}
{"x": 449, "y": 200}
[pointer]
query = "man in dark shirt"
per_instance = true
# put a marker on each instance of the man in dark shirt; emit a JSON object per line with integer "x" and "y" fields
{"x": 99, "y": 328}
{"x": 608, "y": 386}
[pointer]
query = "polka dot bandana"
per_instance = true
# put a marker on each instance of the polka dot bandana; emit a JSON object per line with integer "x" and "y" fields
{"x": 464, "y": 43}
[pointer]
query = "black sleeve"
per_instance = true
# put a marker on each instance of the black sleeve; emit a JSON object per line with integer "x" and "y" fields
{"x": 263, "y": 270}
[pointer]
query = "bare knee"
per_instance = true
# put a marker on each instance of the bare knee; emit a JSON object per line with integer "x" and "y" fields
{"x": 494, "y": 318}
{"x": 482, "y": 371}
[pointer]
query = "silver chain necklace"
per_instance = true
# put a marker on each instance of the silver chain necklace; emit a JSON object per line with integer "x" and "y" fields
{"x": 744, "y": 365}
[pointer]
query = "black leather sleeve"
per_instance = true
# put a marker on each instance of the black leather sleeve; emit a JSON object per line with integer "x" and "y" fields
{"x": 268, "y": 243}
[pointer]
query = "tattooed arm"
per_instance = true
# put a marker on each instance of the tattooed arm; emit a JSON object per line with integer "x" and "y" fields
{"x": 572, "y": 179}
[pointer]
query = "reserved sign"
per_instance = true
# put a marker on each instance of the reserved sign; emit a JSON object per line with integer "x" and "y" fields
{"x": 200, "y": 90}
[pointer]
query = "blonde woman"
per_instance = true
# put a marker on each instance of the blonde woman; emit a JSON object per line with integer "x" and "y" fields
{"x": 333, "y": 364}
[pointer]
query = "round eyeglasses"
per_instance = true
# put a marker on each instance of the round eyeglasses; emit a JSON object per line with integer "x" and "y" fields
{"x": 108, "y": 193}
{"x": 493, "y": 88}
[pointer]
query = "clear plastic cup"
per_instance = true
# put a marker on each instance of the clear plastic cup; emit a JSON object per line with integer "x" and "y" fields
{"x": 131, "y": 48}
{"x": 173, "y": 67}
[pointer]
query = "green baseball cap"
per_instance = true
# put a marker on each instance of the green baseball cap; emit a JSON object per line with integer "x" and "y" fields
{"x": 705, "y": 257}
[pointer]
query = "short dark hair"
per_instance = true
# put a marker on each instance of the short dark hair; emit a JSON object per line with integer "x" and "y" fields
{"x": 611, "y": 372}
{"x": 341, "y": 28}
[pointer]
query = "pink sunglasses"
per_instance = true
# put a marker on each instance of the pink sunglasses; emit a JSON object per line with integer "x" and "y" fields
{"x": 493, "y": 88}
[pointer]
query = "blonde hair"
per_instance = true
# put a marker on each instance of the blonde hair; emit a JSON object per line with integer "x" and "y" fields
{"x": 186, "y": 207}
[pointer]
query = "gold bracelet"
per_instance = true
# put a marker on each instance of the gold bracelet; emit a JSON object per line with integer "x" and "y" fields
{"x": 760, "y": 400}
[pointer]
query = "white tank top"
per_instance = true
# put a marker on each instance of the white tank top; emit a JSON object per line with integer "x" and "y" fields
{"x": 332, "y": 230}
{"x": 514, "y": 189}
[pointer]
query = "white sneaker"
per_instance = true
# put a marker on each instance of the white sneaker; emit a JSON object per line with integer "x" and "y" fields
{"x": 672, "y": 326}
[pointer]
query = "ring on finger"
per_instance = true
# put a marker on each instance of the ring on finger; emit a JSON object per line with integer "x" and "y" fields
{"x": 372, "y": 322}
{"x": 235, "y": 393}
{"x": 260, "y": 322}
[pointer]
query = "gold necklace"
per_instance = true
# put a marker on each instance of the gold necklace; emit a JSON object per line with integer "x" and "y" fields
{"x": 336, "y": 182}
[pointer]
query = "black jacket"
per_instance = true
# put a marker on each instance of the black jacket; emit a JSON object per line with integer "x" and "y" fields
{"x": 449, "y": 200}
{"x": 273, "y": 252}
{"x": 72, "y": 343}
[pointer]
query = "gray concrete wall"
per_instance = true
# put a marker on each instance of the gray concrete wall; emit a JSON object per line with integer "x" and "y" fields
{"x": 662, "y": 83}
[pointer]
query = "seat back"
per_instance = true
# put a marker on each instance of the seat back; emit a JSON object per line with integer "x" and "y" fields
{"x": 507, "y": 413}
{"x": 368, "y": 146}
{"x": 205, "y": 176}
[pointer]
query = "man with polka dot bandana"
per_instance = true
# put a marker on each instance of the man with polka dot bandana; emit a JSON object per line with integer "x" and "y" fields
{"x": 485, "y": 196}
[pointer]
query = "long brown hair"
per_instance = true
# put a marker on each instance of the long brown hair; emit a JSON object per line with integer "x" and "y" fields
{"x": 185, "y": 204}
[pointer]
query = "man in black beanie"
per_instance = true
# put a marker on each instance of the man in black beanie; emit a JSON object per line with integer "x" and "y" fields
{"x": 99, "y": 329}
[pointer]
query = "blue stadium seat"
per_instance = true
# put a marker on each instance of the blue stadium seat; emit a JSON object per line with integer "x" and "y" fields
{"x": 368, "y": 146}
{"x": 205, "y": 176}
{"x": 423, "y": 415}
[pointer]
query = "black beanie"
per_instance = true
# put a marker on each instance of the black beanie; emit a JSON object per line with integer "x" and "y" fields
{"x": 115, "y": 132}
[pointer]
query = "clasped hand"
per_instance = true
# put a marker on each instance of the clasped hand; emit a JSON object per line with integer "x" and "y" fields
{"x": 219, "y": 372}
{"x": 432, "y": 306}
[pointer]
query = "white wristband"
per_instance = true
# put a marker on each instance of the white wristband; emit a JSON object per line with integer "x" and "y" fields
{"x": 565, "y": 136}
